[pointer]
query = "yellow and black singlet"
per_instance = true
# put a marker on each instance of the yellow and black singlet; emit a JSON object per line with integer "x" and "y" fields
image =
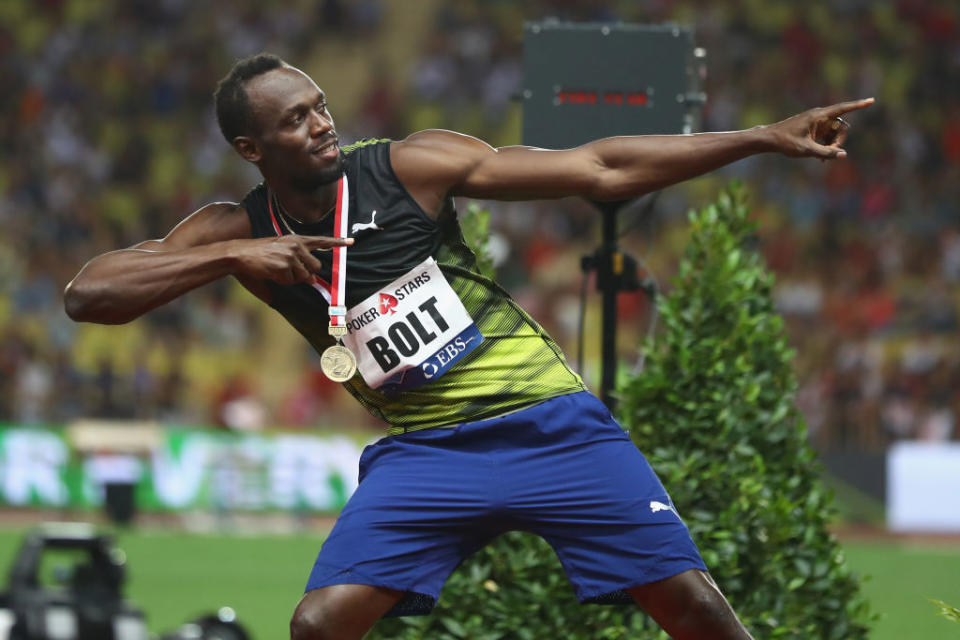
{"x": 515, "y": 365}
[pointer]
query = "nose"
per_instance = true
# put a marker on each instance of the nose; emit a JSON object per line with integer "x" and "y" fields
{"x": 319, "y": 125}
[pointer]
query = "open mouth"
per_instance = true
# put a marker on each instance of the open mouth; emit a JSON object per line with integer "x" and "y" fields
{"x": 329, "y": 150}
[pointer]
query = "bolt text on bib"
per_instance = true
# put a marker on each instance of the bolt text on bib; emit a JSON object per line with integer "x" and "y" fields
{"x": 406, "y": 335}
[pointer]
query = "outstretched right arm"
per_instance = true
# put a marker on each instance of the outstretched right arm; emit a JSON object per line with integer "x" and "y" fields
{"x": 211, "y": 243}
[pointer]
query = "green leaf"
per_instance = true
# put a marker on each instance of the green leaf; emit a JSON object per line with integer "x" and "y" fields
{"x": 947, "y": 611}
{"x": 475, "y": 226}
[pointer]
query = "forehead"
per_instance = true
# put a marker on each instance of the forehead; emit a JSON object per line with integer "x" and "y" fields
{"x": 273, "y": 93}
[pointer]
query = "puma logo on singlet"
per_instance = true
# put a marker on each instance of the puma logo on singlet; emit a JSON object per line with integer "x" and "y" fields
{"x": 363, "y": 226}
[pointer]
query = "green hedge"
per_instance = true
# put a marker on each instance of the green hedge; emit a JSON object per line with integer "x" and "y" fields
{"x": 714, "y": 413}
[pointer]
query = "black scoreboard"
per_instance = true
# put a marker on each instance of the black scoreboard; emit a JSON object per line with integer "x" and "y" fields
{"x": 584, "y": 81}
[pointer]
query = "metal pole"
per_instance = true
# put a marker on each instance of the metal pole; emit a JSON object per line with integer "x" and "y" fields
{"x": 607, "y": 271}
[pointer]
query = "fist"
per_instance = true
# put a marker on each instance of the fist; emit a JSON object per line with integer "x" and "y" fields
{"x": 285, "y": 260}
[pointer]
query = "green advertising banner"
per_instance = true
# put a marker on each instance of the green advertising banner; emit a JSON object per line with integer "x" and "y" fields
{"x": 34, "y": 468}
{"x": 190, "y": 469}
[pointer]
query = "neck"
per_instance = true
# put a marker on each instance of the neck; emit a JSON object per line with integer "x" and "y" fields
{"x": 306, "y": 207}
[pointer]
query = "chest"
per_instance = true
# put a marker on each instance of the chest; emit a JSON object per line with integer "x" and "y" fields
{"x": 391, "y": 236}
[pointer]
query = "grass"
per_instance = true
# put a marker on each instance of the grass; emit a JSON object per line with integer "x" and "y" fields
{"x": 903, "y": 580}
{"x": 177, "y": 576}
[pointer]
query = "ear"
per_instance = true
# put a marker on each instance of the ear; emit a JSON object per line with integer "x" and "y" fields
{"x": 247, "y": 148}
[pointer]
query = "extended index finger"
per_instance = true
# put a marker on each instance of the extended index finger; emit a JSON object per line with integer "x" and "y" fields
{"x": 324, "y": 242}
{"x": 846, "y": 107}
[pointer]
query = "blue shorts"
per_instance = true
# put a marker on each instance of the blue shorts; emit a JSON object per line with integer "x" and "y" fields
{"x": 562, "y": 469}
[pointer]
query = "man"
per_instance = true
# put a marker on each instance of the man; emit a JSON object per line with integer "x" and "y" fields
{"x": 490, "y": 430}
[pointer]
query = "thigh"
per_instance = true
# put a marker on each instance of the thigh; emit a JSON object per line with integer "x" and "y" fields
{"x": 342, "y": 611}
{"x": 592, "y": 495}
{"x": 420, "y": 509}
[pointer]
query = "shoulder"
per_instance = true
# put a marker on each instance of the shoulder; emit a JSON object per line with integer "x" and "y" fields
{"x": 437, "y": 156}
{"x": 439, "y": 142}
{"x": 214, "y": 222}
{"x": 364, "y": 145}
{"x": 231, "y": 215}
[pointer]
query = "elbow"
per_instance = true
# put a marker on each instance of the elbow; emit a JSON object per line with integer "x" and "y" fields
{"x": 82, "y": 304}
{"x": 76, "y": 302}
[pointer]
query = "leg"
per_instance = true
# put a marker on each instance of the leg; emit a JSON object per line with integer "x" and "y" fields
{"x": 689, "y": 606}
{"x": 340, "y": 612}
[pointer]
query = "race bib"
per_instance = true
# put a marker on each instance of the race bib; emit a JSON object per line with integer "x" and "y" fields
{"x": 411, "y": 331}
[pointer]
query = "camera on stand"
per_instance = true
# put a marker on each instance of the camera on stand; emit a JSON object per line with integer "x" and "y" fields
{"x": 66, "y": 583}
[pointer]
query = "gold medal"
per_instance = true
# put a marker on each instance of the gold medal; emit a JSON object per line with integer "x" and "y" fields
{"x": 338, "y": 363}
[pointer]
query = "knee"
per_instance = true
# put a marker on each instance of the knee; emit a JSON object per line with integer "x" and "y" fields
{"x": 710, "y": 615}
{"x": 708, "y": 609}
{"x": 311, "y": 621}
{"x": 689, "y": 606}
{"x": 340, "y": 612}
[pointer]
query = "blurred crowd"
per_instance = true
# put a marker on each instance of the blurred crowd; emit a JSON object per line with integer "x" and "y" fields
{"x": 108, "y": 138}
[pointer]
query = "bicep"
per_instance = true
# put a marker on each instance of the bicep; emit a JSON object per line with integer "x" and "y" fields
{"x": 436, "y": 164}
{"x": 212, "y": 223}
{"x": 217, "y": 222}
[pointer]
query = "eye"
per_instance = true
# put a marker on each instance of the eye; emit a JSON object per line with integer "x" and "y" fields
{"x": 322, "y": 106}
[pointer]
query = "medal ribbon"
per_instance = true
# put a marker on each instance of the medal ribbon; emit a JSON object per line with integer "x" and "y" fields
{"x": 338, "y": 282}
{"x": 334, "y": 295}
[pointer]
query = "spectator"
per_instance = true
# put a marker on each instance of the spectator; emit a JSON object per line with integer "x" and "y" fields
{"x": 867, "y": 252}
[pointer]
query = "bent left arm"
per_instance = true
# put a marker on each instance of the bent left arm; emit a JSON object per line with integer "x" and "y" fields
{"x": 435, "y": 164}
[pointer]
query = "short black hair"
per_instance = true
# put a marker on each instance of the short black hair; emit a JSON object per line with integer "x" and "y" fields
{"x": 230, "y": 99}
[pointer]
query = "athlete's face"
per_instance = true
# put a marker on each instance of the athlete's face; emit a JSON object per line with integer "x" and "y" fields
{"x": 294, "y": 132}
